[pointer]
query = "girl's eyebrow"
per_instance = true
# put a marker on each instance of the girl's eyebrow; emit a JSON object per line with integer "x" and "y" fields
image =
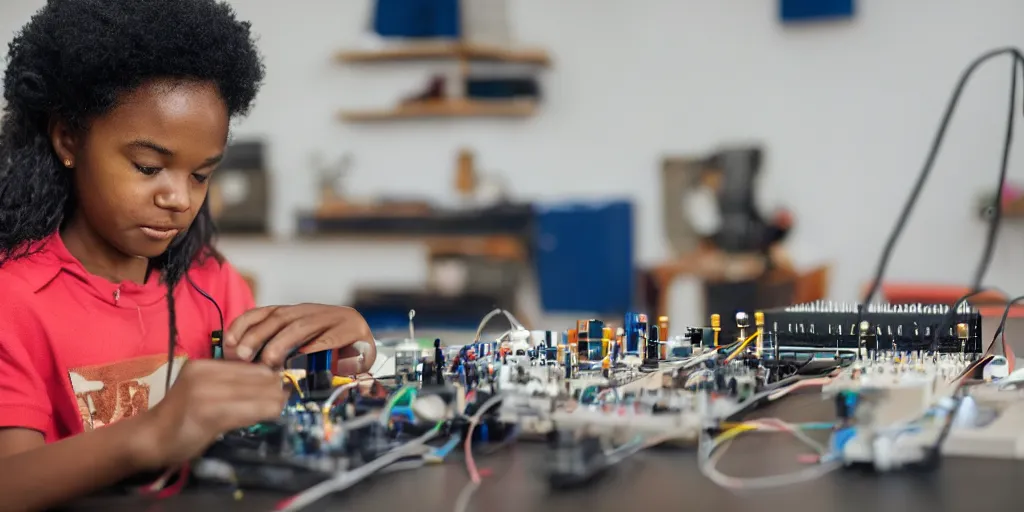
{"x": 147, "y": 144}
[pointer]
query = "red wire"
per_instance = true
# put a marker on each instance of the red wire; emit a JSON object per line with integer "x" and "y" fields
{"x": 178, "y": 484}
{"x": 474, "y": 474}
{"x": 1011, "y": 359}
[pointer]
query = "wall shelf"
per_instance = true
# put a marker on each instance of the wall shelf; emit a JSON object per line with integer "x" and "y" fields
{"x": 444, "y": 109}
{"x": 441, "y": 50}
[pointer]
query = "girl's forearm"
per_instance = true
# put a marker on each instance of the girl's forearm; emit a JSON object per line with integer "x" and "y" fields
{"x": 59, "y": 472}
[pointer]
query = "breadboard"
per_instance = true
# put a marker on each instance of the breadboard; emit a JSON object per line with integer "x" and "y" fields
{"x": 1002, "y": 438}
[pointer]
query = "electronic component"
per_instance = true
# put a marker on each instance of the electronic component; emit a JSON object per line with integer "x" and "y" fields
{"x": 997, "y": 368}
{"x": 635, "y": 328}
{"x": 663, "y": 336}
{"x": 716, "y": 329}
{"x": 578, "y": 459}
{"x": 895, "y": 327}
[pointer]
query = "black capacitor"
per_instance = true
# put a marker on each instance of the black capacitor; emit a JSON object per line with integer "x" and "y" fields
{"x": 438, "y": 361}
{"x": 842, "y": 407}
{"x": 653, "y": 348}
{"x": 695, "y": 335}
{"x": 427, "y": 375}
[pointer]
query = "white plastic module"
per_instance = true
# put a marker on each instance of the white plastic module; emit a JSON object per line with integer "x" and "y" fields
{"x": 988, "y": 424}
{"x": 997, "y": 368}
{"x": 995, "y": 428}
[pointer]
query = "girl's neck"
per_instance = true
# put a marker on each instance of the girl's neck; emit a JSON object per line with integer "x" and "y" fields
{"x": 99, "y": 257}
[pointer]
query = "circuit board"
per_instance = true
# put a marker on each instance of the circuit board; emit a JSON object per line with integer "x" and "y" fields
{"x": 891, "y": 327}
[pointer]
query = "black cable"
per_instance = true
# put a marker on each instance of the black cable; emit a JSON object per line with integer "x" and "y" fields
{"x": 953, "y": 311}
{"x": 207, "y": 296}
{"x": 947, "y": 426}
{"x": 172, "y": 335}
{"x": 997, "y": 216}
{"x": 1002, "y": 321}
{"x": 915, "y": 193}
{"x": 901, "y": 221}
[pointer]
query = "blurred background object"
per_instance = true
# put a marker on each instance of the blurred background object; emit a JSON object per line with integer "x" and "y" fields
{"x": 722, "y": 239}
{"x": 571, "y": 159}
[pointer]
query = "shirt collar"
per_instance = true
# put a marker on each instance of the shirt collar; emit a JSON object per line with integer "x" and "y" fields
{"x": 50, "y": 258}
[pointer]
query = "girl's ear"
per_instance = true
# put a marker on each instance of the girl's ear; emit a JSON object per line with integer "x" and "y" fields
{"x": 64, "y": 141}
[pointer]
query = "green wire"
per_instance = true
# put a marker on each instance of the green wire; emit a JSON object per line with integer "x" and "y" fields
{"x": 386, "y": 413}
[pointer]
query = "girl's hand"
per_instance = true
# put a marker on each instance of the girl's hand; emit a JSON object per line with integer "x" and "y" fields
{"x": 207, "y": 399}
{"x": 278, "y": 332}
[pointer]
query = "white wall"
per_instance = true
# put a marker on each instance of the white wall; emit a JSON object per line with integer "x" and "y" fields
{"x": 847, "y": 112}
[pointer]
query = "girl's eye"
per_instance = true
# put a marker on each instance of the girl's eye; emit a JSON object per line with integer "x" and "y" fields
{"x": 148, "y": 171}
{"x": 200, "y": 178}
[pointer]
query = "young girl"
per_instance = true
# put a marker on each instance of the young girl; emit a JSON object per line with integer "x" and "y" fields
{"x": 117, "y": 114}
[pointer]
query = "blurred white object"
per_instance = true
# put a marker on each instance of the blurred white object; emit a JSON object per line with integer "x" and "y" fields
{"x": 997, "y": 368}
{"x": 449, "y": 277}
{"x": 701, "y": 206}
{"x": 486, "y": 22}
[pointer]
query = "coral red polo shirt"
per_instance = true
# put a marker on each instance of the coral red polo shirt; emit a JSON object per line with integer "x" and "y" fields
{"x": 78, "y": 352}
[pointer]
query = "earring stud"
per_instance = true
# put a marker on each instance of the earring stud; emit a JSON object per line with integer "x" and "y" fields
{"x": 67, "y": 162}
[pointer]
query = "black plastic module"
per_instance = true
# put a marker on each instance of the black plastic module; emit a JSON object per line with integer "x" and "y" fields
{"x": 908, "y": 328}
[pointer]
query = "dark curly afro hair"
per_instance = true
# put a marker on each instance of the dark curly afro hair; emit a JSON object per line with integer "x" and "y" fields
{"x": 73, "y": 61}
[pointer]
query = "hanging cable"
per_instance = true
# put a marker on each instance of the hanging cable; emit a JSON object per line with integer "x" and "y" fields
{"x": 915, "y": 192}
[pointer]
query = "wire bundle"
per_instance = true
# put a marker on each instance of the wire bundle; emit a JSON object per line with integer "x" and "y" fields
{"x": 712, "y": 449}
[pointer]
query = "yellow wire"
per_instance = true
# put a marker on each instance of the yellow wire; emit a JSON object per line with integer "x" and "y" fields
{"x": 733, "y": 432}
{"x": 295, "y": 383}
{"x": 742, "y": 346}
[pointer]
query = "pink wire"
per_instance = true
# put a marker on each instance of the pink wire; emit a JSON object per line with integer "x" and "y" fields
{"x": 474, "y": 474}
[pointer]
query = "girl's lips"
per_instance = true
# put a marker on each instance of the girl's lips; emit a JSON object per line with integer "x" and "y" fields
{"x": 159, "y": 234}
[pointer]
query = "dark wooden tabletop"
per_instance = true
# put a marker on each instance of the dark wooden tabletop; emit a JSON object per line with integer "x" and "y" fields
{"x": 663, "y": 479}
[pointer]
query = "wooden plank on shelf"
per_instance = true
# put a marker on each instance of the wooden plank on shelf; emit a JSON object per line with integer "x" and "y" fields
{"x": 497, "y": 247}
{"x": 445, "y": 109}
{"x": 441, "y": 50}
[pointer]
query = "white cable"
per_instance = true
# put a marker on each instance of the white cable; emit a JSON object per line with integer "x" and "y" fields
{"x": 774, "y": 425}
{"x": 466, "y": 494}
{"x": 708, "y": 464}
{"x": 358, "y": 422}
{"x": 487, "y": 318}
{"x": 329, "y": 404}
{"x": 349, "y": 478}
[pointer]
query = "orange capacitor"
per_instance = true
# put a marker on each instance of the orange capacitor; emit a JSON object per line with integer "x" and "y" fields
{"x": 716, "y": 327}
{"x": 574, "y": 339}
{"x": 663, "y": 337}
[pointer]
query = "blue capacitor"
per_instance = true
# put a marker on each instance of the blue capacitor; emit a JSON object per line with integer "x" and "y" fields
{"x": 635, "y": 328}
{"x": 551, "y": 353}
{"x": 318, "y": 361}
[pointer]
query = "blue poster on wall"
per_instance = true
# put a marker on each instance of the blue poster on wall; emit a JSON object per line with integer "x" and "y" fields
{"x": 815, "y": 10}
{"x": 424, "y": 19}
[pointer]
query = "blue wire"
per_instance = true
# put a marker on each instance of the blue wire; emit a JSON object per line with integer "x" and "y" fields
{"x": 443, "y": 451}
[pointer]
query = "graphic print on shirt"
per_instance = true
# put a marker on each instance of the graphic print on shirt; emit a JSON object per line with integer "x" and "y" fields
{"x": 112, "y": 392}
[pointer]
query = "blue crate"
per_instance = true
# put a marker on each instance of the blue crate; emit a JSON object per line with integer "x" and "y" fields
{"x": 417, "y": 19}
{"x": 811, "y": 10}
{"x": 584, "y": 257}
